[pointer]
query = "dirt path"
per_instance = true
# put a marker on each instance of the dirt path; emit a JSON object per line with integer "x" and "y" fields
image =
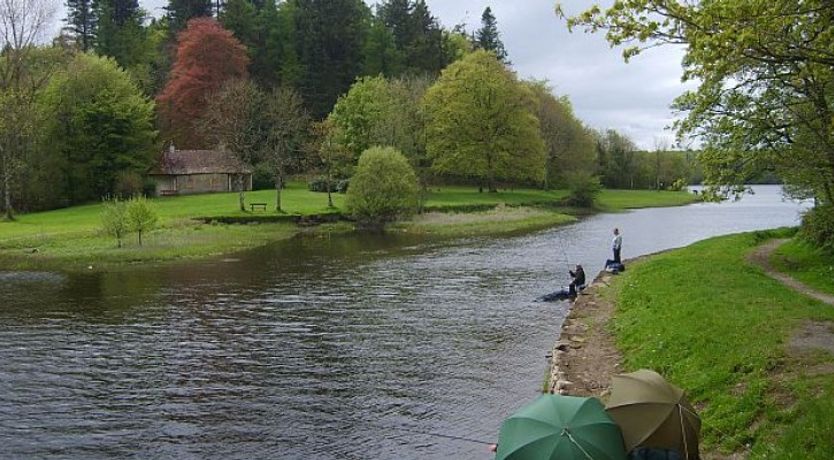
{"x": 761, "y": 257}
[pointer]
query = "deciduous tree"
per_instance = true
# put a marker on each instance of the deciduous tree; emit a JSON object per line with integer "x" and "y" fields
{"x": 481, "y": 123}
{"x": 232, "y": 123}
{"x": 21, "y": 24}
{"x": 208, "y": 56}
{"x": 286, "y": 123}
{"x": 764, "y": 70}
{"x": 100, "y": 127}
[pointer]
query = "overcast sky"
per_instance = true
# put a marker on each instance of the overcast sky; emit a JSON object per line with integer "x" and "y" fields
{"x": 606, "y": 93}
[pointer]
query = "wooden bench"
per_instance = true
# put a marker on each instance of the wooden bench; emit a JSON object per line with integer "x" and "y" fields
{"x": 261, "y": 206}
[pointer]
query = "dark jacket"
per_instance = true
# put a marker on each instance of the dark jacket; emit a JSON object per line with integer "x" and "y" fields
{"x": 578, "y": 277}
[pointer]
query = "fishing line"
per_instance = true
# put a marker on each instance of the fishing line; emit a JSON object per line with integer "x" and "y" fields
{"x": 429, "y": 433}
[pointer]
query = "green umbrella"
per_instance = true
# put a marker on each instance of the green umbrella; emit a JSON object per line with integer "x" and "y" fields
{"x": 654, "y": 413}
{"x": 560, "y": 427}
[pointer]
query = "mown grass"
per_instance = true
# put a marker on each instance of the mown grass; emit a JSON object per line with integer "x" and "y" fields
{"x": 70, "y": 237}
{"x": 618, "y": 200}
{"x": 805, "y": 263}
{"x": 719, "y": 327}
{"x": 500, "y": 221}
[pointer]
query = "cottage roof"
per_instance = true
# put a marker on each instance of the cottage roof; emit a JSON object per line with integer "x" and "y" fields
{"x": 183, "y": 162}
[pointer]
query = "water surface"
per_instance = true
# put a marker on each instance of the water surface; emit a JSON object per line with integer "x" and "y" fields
{"x": 329, "y": 348}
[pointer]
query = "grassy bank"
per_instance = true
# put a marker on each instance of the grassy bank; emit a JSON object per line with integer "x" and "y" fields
{"x": 70, "y": 238}
{"x": 499, "y": 221}
{"x": 805, "y": 263}
{"x": 737, "y": 341}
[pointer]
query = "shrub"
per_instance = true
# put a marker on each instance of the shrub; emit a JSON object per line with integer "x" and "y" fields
{"x": 584, "y": 187}
{"x": 128, "y": 183}
{"x": 114, "y": 219}
{"x": 818, "y": 227}
{"x": 679, "y": 185}
{"x": 383, "y": 188}
{"x": 319, "y": 184}
{"x": 262, "y": 177}
{"x": 140, "y": 215}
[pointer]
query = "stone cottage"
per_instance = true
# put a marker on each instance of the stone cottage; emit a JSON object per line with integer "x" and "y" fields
{"x": 185, "y": 172}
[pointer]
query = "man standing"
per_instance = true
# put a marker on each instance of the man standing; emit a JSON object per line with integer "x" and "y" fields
{"x": 616, "y": 245}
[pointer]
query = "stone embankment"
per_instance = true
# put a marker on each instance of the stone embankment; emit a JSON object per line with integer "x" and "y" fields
{"x": 585, "y": 358}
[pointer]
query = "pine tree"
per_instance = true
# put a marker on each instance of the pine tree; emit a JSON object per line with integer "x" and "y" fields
{"x": 81, "y": 22}
{"x": 120, "y": 33}
{"x": 329, "y": 39}
{"x": 489, "y": 38}
{"x": 179, "y": 12}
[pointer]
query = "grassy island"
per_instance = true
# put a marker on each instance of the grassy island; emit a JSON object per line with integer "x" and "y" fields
{"x": 756, "y": 357}
{"x": 190, "y": 226}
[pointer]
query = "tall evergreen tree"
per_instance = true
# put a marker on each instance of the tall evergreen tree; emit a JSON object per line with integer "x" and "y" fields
{"x": 81, "y": 22}
{"x": 488, "y": 37}
{"x": 120, "y": 33}
{"x": 180, "y": 11}
{"x": 329, "y": 39}
{"x": 416, "y": 33}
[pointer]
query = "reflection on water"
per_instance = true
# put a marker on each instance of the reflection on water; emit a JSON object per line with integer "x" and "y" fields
{"x": 313, "y": 348}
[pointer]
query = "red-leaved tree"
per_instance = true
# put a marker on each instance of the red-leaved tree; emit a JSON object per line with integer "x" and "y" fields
{"x": 207, "y": 56}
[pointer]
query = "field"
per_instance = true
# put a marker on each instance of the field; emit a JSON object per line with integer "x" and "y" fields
{"x": 754, "y": 356}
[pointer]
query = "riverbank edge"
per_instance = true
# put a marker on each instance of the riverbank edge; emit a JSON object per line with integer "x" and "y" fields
{"x": 35, "y": 260}
{"x": 300, "y": 225}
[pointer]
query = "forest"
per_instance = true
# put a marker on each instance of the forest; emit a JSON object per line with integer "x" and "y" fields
{"x": 291, "y": 87}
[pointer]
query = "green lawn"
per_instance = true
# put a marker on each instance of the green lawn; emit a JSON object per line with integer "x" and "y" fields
{"x": 617, "y": 200}
{"x": 718, "y": 327}
{"x": 806, "y": 263}
{"x": 70, "y": 237}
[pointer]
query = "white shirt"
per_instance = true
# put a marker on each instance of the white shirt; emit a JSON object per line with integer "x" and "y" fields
{"x": 617, "y": 243}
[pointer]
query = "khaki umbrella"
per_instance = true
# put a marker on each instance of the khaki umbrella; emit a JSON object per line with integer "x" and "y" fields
{"x": 653, "y": 413}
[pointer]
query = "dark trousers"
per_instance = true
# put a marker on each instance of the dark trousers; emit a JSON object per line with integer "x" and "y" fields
{"x": 617, "y": 256}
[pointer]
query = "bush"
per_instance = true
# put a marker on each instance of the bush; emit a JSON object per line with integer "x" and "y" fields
{"x": 319, "y": 184}
{"x": 383, "y": 188}
{"x": 128, "y": 184}
{"x": 584, "y": 188}
{"x": 262, "y": 178}
{"x": 679, "y": 185}
{"x": 818, "y": 227}
{"x": 114, "y": 219}
{"x": 140, "y": 216}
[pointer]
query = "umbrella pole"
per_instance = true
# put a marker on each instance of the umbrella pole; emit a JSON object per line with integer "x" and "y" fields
{"x": 576, "y": 443}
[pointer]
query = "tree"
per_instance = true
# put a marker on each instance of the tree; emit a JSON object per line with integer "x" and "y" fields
{"x": 140, "y": 216}
{"x": 180, "y": 12}
{"x": 286, "y": 123}
{"x": 114, "y": 219}
{"x": 618, "y": 165}
{"x": 120, "y": 32}
{"x": 383, "y": 188}
{"x": 21, "y": 25}
{"x": 232, "y": 123}
{"x": 329, "y": 39}
{"x": 100, "y": 127}
{"x": 208, "y": 56}
{"x": 82, "y": 22}
{"x": 378, "y": 111}
{"x": 325, "y": 152}
{"x": 764, "y": 72}
{"x": 417, "y": 36}
{"x": 569, "y": 147}
{"x": 481, "y": 123}
{"x": 488, "y": 37}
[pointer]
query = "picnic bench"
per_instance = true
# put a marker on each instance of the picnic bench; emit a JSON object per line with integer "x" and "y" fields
{"x": 261, "y": 206}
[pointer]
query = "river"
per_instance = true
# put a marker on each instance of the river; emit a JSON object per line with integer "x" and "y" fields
{"x": 316, "y": 348}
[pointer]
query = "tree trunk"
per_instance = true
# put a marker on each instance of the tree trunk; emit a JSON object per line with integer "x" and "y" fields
{"x": 140, "y": 238}
{"x": 7, "y": 192}
{"x": 279, "y": 184}
{"x": 241, "y": 196}
{"x": 329, "y": 194}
